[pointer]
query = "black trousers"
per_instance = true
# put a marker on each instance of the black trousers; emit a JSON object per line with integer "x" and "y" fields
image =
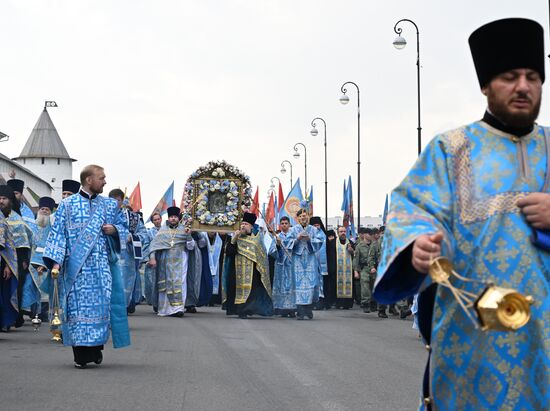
{"x": 85, "y": 355}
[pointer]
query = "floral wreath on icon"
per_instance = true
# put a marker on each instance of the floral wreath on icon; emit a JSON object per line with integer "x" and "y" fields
{"x": 215, "y": 196}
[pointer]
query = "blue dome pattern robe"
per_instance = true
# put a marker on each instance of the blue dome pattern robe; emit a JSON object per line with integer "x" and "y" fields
{"x": 305, "y": 263}
{"x": 92, "y": 288}
{"x": 284, "y": 283}
{"x": 466, "y": 184}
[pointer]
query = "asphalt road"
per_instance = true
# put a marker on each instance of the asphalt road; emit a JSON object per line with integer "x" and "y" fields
{"x": 342, "y": 360}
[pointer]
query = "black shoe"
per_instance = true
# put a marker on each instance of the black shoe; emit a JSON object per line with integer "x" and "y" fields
{"x": 131, "y": 310}
{"x": 155, "y": 310}
{"x": 291, "y": 315}
{"x": 366, "y": 310}
{"x": 177, "y": 315}
{"x": 393, "y": 311}
{"x": 284, "y": 315}
{"x": 382, "y": 314}
{"x": 80, "y": 366}
{"x": 19, "y": 322}
{"x": 300, "y": 317}
{"x": 310, "y": 315}
{"x": 243, "y": 316}
{"x": 191, "y": 310}
{"x": 404, "y": 314}
{"x": 99, "y": 358}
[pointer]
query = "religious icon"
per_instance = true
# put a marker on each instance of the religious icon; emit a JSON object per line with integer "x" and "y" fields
{"x": 216, "y": 202}
{"x": 214, "y": 198}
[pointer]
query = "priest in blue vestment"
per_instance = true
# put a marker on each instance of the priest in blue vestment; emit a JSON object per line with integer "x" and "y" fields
{"x": 479, "y": 195}
{"x": 322, "y": 265}
{"x": 308, "y": 240}
{"x": 35, "y": 299}
{"x": 131, "y": 251}
{"x": 22, "y": 234}
{"x": 83, "y": 245}
{"x": 171, "y": 253}
{"x": 149, "y": 276}
{"x": 284, "y": 282}
{"x": 9, "y": 308}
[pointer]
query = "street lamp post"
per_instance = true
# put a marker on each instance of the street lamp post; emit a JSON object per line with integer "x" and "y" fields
{"x": 283, "y": 170}
{"x": 296, "y": 155}
{"x": 4, "y": 137}
{"x": 272, "y": 185}
{"x": 344, "y": 99}
{"x": 400, "y": 43}
{"x": 314, "y": 133}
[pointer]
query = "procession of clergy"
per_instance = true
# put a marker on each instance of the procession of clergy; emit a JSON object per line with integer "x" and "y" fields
{"x": 254, "y": 271}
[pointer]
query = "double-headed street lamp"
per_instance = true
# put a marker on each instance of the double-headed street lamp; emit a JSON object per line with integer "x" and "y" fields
{"x": 344, "y": 99}
{"x": 400, "y": 43}
{"x": 314, "y": 133}
{"x": 283, "y": 170}
{"x": 296, "y": 155}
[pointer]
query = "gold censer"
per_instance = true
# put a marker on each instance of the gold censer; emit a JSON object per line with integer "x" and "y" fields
{"x": 494, "y": 308}
{"x": 55, "y": 325}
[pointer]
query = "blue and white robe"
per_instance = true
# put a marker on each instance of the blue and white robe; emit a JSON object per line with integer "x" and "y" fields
{"x": 322, "y": 262}
{"x": 305, "y": 264}
{"x": 175, "y": 251}
{"x": 129, "y": 264}
{"x": 284, "y": 282}
{"x": 28, "y": 217}
{"x": 149, "y": 273}
{"x": 8, "y": 287}
{"x": 35, "y": 283}
{"x": 466, "y": 184}
{"x": 22, "y": 236}
{"x": 214, "y": 252}
{"x": 92, "y": 292}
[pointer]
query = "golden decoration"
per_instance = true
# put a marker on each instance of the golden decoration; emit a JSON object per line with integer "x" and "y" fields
{"x": 495, "y": 308}
{"x": 55, "y": 325}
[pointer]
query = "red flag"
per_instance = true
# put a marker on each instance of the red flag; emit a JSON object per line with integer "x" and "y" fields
{"x": 135, "y": 199}
{"x": 281, "y": 197}
{"x": 255, "y": 207}
{"x": 270, "y": 212}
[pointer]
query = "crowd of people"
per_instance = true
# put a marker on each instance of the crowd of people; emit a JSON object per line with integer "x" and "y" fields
{"x": 109, "y": 262}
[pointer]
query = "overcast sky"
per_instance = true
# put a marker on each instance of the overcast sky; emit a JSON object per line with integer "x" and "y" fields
{"x": 152, "y": 90}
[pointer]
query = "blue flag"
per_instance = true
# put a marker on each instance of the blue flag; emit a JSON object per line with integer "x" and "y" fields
{"x": 292, "y": 202}
{"x": 385, "y": 215}
{"x": 310, "y": 201}
{"x": 351, "y": 232}
{"x": 345, "y": 207}
{"x": 166, "y": 201}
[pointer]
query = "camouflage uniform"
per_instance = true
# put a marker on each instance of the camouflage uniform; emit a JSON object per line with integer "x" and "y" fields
{"x": 367, "y": 256}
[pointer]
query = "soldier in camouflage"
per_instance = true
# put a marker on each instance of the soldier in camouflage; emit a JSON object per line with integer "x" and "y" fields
{"x": 366, "y": 258}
